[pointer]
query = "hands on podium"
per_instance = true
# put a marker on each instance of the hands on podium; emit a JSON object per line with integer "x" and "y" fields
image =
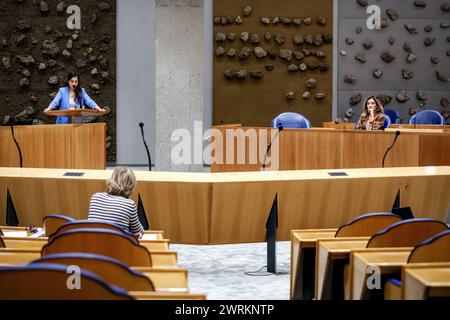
{"x": 97, "y": 108}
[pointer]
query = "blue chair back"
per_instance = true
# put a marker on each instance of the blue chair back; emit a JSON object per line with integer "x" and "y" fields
{"x": 393, "y": 115}
{"x": 434, "y": 249}
{"x": 90, "y": 224}
{"x": 49, "y": 282}
{"x": 387, "y": 122}
{"x": 427, "y": 117}
{"x": 407, "y": 233}
{"x": 109, "y": 269}
{"x": 367, "y": 224}
{"x": 291, "y": 120}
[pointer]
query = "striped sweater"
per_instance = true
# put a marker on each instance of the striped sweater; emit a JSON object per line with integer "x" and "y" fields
{"x": 115, "y": 209}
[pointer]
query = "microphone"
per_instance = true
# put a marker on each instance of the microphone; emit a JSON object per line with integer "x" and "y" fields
{"x": 141, "y": 124}
{"x": 280, "y": 128}
{"x": 397, "y": 133}
{"x": 11, "y": 122}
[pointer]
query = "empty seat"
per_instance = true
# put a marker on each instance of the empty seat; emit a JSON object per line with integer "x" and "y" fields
{"x": 291, "y": 120}
{"x": 427, "y": 117}
{"x": 393, "y": 115}
{"x": 105, "y": 242}
{"x": 89, "y": 224}
{"x": 434, "y": 249}
{"x": 406, "y": 233}
{"x": 52, "y": 222}
{"x": 53, "y": 282}
{"x": 109, "y": 269}
{"x": 367, "y": 224}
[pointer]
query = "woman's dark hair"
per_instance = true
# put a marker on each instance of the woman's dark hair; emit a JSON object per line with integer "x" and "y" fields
{"x": 379, "y": 109}
{"x": 77, "y": 89}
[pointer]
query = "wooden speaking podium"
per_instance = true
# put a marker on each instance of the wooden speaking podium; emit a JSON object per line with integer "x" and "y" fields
{"x": 68, "y": 146}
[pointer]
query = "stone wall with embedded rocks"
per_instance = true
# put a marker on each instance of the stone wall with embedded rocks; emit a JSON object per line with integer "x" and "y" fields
{"x": 37, "y": 50}
{"x": 406, "y": 63}
{"x": 271, "y": 57}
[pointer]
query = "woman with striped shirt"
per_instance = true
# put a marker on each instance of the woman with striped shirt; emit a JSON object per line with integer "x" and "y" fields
{"x": 114, "y": 205}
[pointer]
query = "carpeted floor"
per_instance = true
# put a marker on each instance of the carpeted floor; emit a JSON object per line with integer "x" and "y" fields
{"x": 219, "y": 271}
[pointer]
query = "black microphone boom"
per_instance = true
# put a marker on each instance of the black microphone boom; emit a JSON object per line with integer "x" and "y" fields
{"x": 16, "y": 142}
{"x": 141, "y": 124}
{"x": 280, "y": 128}
{"x": 397, "y": 133}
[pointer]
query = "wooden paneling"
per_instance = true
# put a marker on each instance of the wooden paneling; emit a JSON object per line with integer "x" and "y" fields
{"x": 72, "y": 146}
{"x": 351, "y": 126}
{"x": 328, "y": 148}
{"x": 317, "y": 203}
{"x": 216, "y": 208}
{"x": 257, "y": 102}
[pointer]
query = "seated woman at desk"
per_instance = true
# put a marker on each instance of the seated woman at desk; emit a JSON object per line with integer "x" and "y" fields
{"x": 372, "y": 117}
{"x": 72, "y": 96}
{"x": 114, "y": 205}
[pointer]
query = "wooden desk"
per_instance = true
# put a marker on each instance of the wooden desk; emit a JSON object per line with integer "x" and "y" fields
{"x": 70, "y": 146}
{"x": 351, "y": 126}
{"x": 165, "y": 277}
{"x": 327, "y": 148}
{"x": 205, "y": 208}
{"x": 332, "y": 255}
{"x": 388, "y": 260}
{"x": 303, "y": 261}
{"x": 426, "y": 282}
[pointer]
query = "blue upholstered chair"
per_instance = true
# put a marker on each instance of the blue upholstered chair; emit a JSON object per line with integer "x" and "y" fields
{"x": 407, "y": 233}
{"x": 89, "y": 224}
{"x": 49, "y": 282}
{"x": 387, "y": 122}
{"x": 427, "y": 117}
{"x": 109, "y": 269}
{"x": 111, "y": 243}
{"x": 367, "y": 224}
{"x": 393, "y": 115}
{"x": 52, "y": 222}
{"x": 291, "y": 120}
{"x": 434, "y": 249}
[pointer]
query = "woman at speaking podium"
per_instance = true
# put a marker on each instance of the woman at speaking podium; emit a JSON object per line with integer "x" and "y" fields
{"x": 72, "y": 96}
{"x": 372, "y": 117}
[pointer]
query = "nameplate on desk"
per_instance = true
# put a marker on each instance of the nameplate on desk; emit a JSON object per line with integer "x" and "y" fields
{"x": 73, "y": 174}
{"x": 338, "y": 174}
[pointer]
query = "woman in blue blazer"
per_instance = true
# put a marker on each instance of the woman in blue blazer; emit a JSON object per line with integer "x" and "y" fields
{"x": 72, "y": 96}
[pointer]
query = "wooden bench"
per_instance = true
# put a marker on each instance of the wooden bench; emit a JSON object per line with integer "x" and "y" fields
{"x": 24, "y": 243}
{"x": 423, "y": 282}
{"x": 406, "y": 233}
{"x": 387, "y": 260}
{"x": 303, "y": 258}
{"x": 303, "y": 247}
{"x": 166, "y": 278}
{"x": 332, "y": 255}
{"x": 10, "y": 256}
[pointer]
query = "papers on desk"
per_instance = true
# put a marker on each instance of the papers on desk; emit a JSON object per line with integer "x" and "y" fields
{"x": 149, "y": 236}
{"x": 16, "y": 234}
{"x": 23, "y": 233}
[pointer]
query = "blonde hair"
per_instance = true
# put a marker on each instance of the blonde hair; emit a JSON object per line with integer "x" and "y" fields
{"x": 121, "y": 183}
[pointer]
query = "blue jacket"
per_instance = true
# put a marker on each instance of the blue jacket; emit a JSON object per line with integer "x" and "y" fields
{"x": 62, "y": 100}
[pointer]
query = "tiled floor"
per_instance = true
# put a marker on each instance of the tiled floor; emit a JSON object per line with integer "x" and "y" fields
{"x": 219, "y": 271}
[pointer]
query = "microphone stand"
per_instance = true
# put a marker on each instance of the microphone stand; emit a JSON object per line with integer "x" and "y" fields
{"x": 141, "y": 124}
{"x": 280, "y": 128}
{"x": 397, "y": 133}
{"x": 12, "y": 120}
